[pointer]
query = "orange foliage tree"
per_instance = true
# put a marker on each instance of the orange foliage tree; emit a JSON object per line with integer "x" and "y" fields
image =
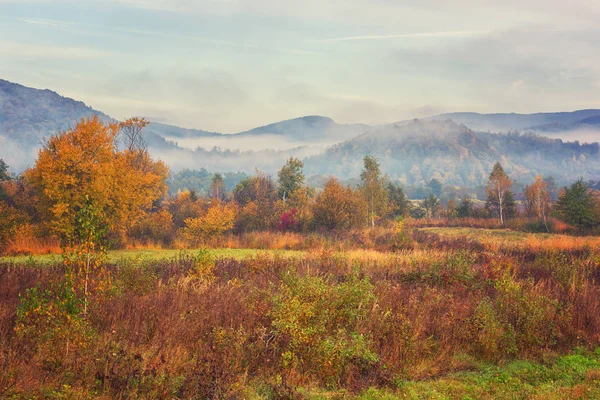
{"x": 537, "y": 200}
{"x": 82, "y": 166}
{"x": 257, "y": 198}
{"x": 339, "y": 207}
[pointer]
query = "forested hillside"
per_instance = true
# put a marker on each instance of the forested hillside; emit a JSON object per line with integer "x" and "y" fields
{"x": 411, "y": 152}
{"x": 419, "y": 151}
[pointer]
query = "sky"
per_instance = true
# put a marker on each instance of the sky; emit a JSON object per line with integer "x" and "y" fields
{"x": 231, "y": 65}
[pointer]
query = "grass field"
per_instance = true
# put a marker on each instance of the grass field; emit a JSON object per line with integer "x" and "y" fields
{"x": 452, "y": 313}
{"x": 152, "y": 254}
{"x": 504, "y": 238}
{"x": 575, "y": 376}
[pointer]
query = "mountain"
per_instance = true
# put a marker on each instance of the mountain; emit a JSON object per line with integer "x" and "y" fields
{"x": 589, "y": 123}
{"x": 29, "y": 116}
{"x": 522, "y": 122}
{"x": 310, "y": 131}
{"x": 172, "y": 131}
{"x": 309, "y": 128}
{"x": 411, "y": 152}
{"x": 421, "y": 150}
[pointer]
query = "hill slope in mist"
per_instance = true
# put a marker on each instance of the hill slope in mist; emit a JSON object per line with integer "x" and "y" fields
{"x": 541, "y": 122}
{"x": 29, "y": 116}
{"x": 416, "y": 152}
{"x": 412, "y": 152}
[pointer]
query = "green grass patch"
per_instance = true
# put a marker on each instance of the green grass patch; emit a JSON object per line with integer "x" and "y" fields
{"x": 151, "y": 255}
{"x": 575, "y": 376}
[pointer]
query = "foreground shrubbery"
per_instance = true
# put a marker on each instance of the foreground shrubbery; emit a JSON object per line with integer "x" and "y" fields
{"x": 267, "y": 327}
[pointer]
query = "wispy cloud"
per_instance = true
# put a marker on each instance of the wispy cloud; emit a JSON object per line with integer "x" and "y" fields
{"x": 30, "y": 51}
{"x": 93, "y": 30}
{"x": 53, "y": 23}
{"x": 414, "y": 35}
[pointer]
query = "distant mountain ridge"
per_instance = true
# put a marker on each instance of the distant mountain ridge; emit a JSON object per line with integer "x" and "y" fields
{"x": 27, "y": 115}
{"x": 165, "y": 130}
{"x": 521, "y": 122}
{"x": 454, "y": 148}
{"x": 418, "y": 151}
{"x": 309, "y": 127}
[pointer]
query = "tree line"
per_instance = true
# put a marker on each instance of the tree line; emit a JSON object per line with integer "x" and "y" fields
{"x": 107, "y": 168}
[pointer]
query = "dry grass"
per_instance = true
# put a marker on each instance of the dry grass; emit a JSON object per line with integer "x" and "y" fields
{"x": 263, "y": 322}
{"x": 31, "y": 245}
{"x": 505, "y": 239}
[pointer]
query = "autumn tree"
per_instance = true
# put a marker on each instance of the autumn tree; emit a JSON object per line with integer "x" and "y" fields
{"x": 338, "y": 207}
{"x": 577, "y": 206}
{"x": 155, "y": 227}
{"x": 257, "y": 198}
{"x": 141, "y": 184}
{"x": 184, "y": 205}
{"x": 217, "y": 187}
{"x": 83, "y": 165}
{"x": 500, "y": 199}
{"x": 219, "y": 218}
{"x": 536, "y": 199}
{"x": 301, "y": 201}
{"x": 373, "y": 189}
{"x": 451, "y": 209}
{"x": 74, "y": 168}
{"x": 254, "y": 188}
{"x": 9, "y": 217}
{"x": 290, "y": 177}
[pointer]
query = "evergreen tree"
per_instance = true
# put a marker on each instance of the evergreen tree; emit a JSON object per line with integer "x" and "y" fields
{"x": 465, "y": 209}
{"x": 398, "y": 202}
{"x": 577, "y": 206}
{"x": 4, "y": 176}
{"x": 436, "y": 187}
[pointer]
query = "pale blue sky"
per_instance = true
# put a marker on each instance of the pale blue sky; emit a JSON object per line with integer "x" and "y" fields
{"x": 230, "y": 65}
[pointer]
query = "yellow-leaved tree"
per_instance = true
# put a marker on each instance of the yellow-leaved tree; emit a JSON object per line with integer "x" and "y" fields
{"x": 218, "y": 219}
{"x": 84, "y": 166}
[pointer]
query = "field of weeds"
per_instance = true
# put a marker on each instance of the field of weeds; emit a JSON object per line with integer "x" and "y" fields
{"x": 459, "y": 314}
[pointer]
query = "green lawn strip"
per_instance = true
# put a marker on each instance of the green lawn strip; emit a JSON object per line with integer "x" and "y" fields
{"x": 152, "y": 255}
{"x": 514, "y": 380}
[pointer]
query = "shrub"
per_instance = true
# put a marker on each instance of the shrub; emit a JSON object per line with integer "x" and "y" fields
{"x": 318, "y": 324}
{"x": 51, "y": 324}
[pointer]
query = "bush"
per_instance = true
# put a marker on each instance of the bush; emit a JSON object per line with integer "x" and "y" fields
{"x": 319, "y": 326}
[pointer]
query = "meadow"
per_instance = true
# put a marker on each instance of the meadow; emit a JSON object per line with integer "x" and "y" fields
{"x": 439, "y": 313}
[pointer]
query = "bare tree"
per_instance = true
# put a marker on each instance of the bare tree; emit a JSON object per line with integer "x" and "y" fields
{"x": 131, "y": 135}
